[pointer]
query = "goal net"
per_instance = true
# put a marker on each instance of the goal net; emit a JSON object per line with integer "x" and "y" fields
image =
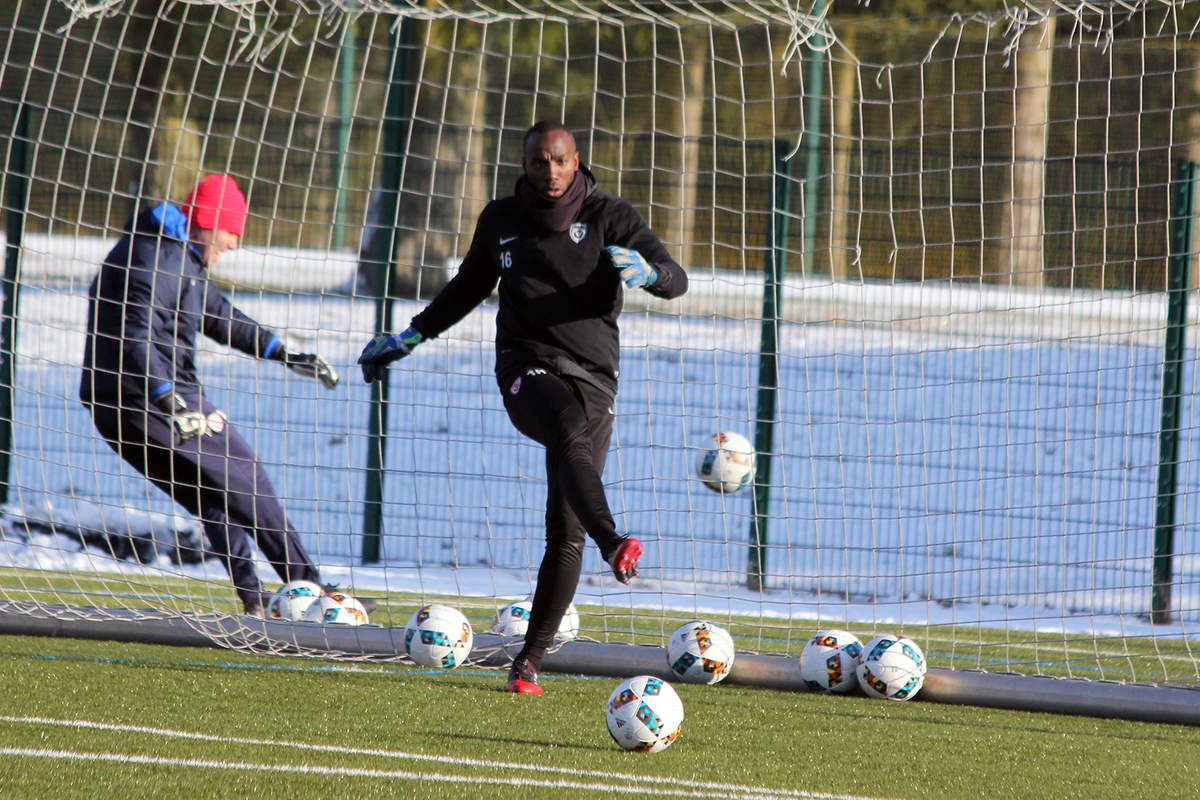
{"x": 938, "y": 275}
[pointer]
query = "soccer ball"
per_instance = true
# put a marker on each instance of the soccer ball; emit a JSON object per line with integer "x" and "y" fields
{"x": 292, "y": 600}
{"x": 892, "y": 667}
{"x": 336, "y": 609}
{"x": 644, "y": 714}
{"x": 568, "y": 629}
{"x": 728, "y": 465}
{"x": 513, "y": 621}
{"x": 700, "y": 652}
{"x": 353, "y": 607}
{"x": 829, "y": 661}
{"x": 346, "y": 599}
{"x": 438, "y": 636}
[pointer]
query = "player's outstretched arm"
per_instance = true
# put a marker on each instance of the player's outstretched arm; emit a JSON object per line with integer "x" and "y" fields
{"x": 384, "y": 348}
{"x": 477, "y": 275}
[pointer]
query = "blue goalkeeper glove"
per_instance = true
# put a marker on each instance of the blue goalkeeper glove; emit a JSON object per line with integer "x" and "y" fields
{"x": 635, "y": 270}
{"x": 384, "y": 348}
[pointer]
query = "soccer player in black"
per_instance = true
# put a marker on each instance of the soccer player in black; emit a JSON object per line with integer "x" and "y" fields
{"x": 560, "y": 249}
{"x": 150, "y": 300}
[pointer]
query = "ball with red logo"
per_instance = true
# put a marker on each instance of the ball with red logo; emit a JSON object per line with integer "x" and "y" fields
{"x": 728, "y": 463}
{"x": 644, "y": 714}
{"x": 829, "y": 661}
{"x": 700, "y": 651}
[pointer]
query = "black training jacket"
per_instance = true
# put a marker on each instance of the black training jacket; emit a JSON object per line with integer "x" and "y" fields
{"x": 559, "y": 293}
{"x": 146, "y": 306}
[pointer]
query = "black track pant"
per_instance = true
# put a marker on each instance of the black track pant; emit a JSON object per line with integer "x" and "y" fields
{"x": 572, "y": 419}
{"x": 220, "y": 481}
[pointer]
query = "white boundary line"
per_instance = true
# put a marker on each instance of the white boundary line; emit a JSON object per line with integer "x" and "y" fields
{"x": 125, "y": 758}
{"x": 636, "y": 783}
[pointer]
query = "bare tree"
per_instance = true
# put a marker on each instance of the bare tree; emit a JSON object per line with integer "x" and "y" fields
{"x": 842, "y": 141}
{"x": 1022, "y": 236}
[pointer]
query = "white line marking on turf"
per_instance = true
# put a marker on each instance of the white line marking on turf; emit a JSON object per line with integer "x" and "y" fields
{"x": 352, "y": 772}
{"x": 688, "y": 788}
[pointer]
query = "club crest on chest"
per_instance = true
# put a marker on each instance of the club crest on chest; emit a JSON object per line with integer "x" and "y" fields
{"x": 577, "y": 231}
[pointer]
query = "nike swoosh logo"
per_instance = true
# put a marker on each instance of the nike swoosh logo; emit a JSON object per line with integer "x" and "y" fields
{"x": 504, "y": 241}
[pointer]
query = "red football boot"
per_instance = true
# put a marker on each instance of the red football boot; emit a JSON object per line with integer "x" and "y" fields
{"x": 523, "y": 679}
{"x": 624, "y": 560}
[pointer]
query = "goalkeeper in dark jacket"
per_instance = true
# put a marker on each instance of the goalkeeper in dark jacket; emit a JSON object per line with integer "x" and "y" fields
{"x": 146, "y": 306}
{"x": 560, "y": 249}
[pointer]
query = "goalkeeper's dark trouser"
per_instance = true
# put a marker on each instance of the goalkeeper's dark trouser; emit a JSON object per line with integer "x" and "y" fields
{"x": 219, "y": 480}
{"x": 573, "y": 420}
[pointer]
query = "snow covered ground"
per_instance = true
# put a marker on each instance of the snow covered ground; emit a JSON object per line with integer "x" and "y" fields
{"x": 943, "y": 455}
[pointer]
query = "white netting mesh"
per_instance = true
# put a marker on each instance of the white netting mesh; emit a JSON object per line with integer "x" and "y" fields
{"x": 971, "y": 215}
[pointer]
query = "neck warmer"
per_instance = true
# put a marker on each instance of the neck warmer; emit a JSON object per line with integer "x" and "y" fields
{"x": 553, "y": 213}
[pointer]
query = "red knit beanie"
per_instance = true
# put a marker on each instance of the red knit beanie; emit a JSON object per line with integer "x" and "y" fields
{"x": 217, "y": 204}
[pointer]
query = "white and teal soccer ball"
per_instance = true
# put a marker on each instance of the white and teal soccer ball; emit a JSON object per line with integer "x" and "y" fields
{"x": 829, "y": 661}
{"x": 352, "y": 607}
{"x": 512, "y": 621}
{"x": 644, "y": 714}
{"x": 292, "y": 600}
{"x": 700, "y": 652}
{"x": 438, "y": 636}
{"x": 728, "y": 464}
{"x": 336, "y": 610}
{"x": 892, "y": 667}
